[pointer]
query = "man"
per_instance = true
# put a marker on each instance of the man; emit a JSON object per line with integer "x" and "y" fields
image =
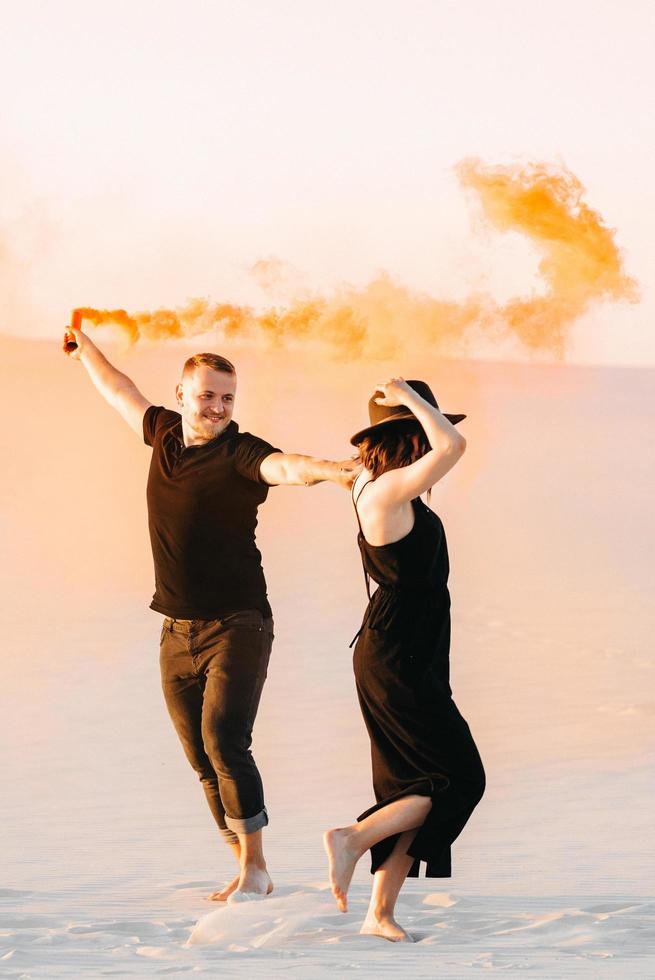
{"x": 206, "y": 482}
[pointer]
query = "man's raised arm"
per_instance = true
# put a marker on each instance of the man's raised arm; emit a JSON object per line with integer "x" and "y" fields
{"x": 290, "y": 469}
{"x": 114, "y": 386}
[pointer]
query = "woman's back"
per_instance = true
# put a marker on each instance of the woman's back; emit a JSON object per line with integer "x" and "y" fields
{"x": 417, "y": 561}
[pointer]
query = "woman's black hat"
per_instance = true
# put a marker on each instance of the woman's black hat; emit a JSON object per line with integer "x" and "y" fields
{"x": 385, "y": 414}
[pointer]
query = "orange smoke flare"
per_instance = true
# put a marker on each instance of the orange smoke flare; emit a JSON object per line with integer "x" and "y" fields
{"x": 580, "y": 264}
{"x": 70, "y": 344}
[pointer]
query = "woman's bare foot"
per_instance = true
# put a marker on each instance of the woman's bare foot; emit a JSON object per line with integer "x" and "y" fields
{"x": 222, "y": 896}
{"x": 386, "y": 927}
{"x": 253, "y": 883}
{"x": 342, "y": 858}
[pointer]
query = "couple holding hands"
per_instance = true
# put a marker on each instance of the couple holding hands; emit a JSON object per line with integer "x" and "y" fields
{"x": 206, "y": 482}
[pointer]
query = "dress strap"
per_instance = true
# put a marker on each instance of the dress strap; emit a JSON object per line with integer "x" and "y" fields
{"x": 367, "y": 577}
{"x": 356, "y": 498}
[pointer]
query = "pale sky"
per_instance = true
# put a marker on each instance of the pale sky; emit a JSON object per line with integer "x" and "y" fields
{"x": 153, "y": 151}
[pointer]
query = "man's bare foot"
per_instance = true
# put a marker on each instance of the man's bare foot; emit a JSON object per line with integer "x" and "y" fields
{"x": 224, "y": 894}
{"x": 253, "y": 883}
{"x": 386, "y": 927}
{"x": 342, "y": 858}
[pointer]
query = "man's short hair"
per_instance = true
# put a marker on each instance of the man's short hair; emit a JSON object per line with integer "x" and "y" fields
{"x": 214, "y": 361}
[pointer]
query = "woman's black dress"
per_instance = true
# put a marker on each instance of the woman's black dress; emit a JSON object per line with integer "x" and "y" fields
{"x": 420, "y": 744}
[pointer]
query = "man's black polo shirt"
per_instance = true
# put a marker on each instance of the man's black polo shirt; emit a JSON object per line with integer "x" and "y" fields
{"x": 202, "y": 515}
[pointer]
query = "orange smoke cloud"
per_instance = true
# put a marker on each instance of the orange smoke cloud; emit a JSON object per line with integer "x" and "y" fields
{"x": 580, "y": 264}
{"x": 580, "y": 261}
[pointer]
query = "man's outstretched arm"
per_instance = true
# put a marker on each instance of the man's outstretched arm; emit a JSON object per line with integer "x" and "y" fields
{"x": 114, "y": 386}
{"x": 290, "y": 469}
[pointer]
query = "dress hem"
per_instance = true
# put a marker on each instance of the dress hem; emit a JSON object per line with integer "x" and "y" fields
{"x": 438, "y": 865}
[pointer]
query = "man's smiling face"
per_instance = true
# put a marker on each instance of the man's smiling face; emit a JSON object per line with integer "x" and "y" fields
{"x": 205, "y": 399}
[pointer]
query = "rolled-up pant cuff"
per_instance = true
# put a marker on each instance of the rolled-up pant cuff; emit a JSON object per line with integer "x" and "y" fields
{"x": 247, "y": 825}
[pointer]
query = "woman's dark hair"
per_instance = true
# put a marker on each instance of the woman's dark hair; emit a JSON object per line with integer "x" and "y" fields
{"x": 392, "y": 445}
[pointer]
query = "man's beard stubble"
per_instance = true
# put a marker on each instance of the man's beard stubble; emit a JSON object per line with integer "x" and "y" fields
{"x": 209, "y": 430}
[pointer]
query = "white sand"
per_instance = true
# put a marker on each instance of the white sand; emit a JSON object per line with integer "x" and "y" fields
{"x": 157, "y": 931}
{"x": 107, "y": 847}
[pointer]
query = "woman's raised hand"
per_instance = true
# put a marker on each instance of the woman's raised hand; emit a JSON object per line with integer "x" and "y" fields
{"x": 394, "y": 392}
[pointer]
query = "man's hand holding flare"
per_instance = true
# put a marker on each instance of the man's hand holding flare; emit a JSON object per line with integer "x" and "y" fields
{"x": 73, "y": 338}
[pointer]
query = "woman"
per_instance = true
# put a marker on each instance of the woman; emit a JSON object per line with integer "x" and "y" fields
{"x": 427, "y": 772}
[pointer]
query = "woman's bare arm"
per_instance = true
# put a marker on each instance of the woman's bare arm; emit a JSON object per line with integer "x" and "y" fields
{"x": 447, "y": 446}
